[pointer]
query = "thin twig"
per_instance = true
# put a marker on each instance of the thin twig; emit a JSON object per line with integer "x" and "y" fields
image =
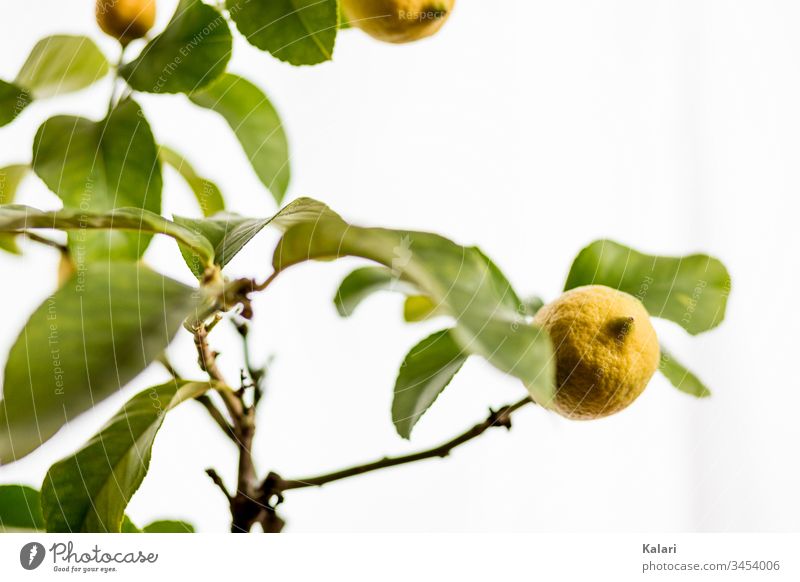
{"x": 115, "y": 80}
{"x": 207, "y": 359}
{"x": 256, "y": 374}
{"x": 501, "y": 417}
{"x": 217, "y": 415}
{"x": 218, "y": 482}
{"x": 164, "y": 361}
{"x": 44, "y": 240}
{"x": 245, "y": 509}
{"x": 266, "y": 283}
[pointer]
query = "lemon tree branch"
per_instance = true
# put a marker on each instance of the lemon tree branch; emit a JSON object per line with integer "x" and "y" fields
{"x": 274, "y": 485}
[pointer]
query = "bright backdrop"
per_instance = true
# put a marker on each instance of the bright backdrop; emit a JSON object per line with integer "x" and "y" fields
{"x": 530, "y": 128}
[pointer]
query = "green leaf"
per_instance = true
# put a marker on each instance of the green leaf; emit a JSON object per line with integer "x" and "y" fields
{"x": 426, "y": 371}
{"x": 128, "y": 526}
{"x": 362, "y": 283}
{"x": 300, "y": 32}
{"x": 84, "y": 343}
{"x": 257, "y": 126}
{"x": 489, "y": 320}
{"x": 98, "y": 167}
{"x": 205, "y": 191}
{"x": 692, "y": 291}
{"x": 533, "y": 304}
{"x": 13, "y": 99}
{"x": 680, "y": 377}
{"x": 89, "y": 491}
{"x": 168, "y": 526}
{"x": 344, "y": 24}
{"x": 501, "y": 285}
{"x": 61, "y": 64}
{"x": 193, "y": 50}
{"x": 10, "y": 179}
{"x": 420, "y": 308}
{"x": 17, "y": 218}
{"x": 229, "y": 233}
{"x": 20, "y": 509}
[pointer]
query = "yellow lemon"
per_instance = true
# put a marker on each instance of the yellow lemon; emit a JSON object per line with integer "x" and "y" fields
{"x": 397, "y": 21}
{"x": 606, "y": 350}
{"x": 125, "y": 20}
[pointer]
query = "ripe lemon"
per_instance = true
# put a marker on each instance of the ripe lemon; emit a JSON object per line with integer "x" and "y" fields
{"x": 125, "y": 20}
{"x": 398, "y": 21}
{"x": 606, "y": 350}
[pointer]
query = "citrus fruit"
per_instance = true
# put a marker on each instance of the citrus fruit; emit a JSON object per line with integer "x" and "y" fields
{"x": 125, "y": 20}
{"x": 605, "y": 347}
{"x": 397, "y": 21}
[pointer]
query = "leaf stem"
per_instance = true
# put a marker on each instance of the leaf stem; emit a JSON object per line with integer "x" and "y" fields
{"x": 218, "y": 417}
{"x": 274, "y": 485}
{"x": 214, "y": 476}
{"x": 267, "y": 282}
{"x": 114, "y": 82}
{"x": 44, "y": 241}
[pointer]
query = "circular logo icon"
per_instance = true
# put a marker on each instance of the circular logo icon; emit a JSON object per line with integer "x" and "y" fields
{"x": 31, "y": 555}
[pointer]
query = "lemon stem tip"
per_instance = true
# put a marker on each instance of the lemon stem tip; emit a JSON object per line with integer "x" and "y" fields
{"x": 624, "y": 325}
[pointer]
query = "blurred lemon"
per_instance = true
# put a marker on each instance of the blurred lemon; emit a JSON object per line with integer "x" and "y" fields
{"x": 606, "y": 350}
{"x": 125, "y": 20}
{"x": 397, "y": 21}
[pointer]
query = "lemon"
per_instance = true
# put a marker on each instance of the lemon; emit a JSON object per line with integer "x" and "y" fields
{"x": 605, "y": 347}
{"x": 397, "y": 21}
{"x": 125, "y": 20}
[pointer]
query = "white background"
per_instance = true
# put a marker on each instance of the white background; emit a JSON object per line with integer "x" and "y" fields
{"x": 466, "y": 557}
{"x": 530, "y": 128}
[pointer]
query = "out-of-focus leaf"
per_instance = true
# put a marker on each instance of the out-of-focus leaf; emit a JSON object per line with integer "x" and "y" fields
{"x": 533, "y": 305}
{"x": 300, "y": 32}
{"x": 489, "y": 320}
{"x": 100, "y": 166}
{"x": 13, "y": 99}
{"x": 420, "y": 308}
{"x": 257, "y": 126}
{"x": 89, "y": 491}
{"x": 692, "y": 291}
{"x": 426, "y": 371}
{"x": 229, "y": 233}
{"x": 84, "y": 343}
{"x": 681, "y": 377}
{"x": 362, "y": 283}
{"x": 205, "y": 191}
{"x": 10, "y": 179}
{"x": 128, "y": 526}
{"x": 62, "y": 64}
{"x": 20, "y": 509}
{"x": 193, "y": 50}
{"x": 17, "y": 218}
{"x": 168, "y": 526}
